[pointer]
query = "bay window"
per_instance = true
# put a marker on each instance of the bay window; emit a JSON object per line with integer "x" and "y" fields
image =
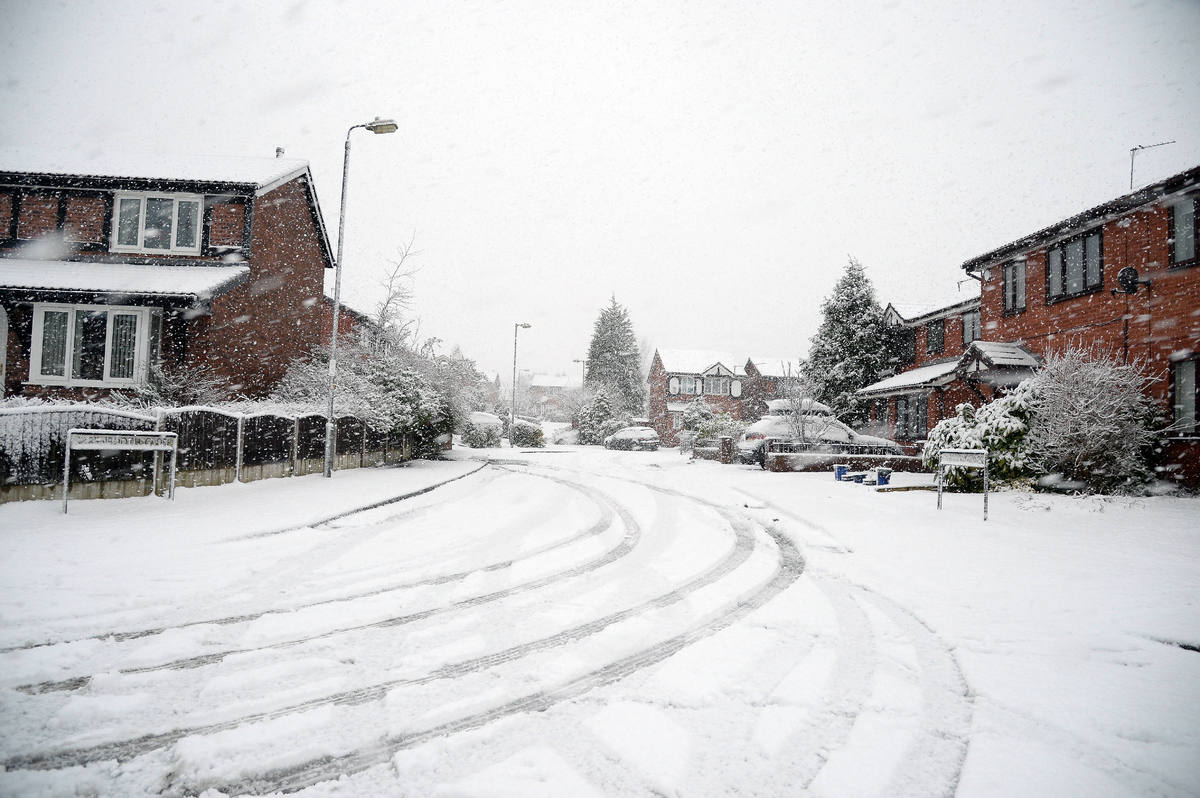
{"x": 157, "y": 223}
{"x": 92, "y": 345}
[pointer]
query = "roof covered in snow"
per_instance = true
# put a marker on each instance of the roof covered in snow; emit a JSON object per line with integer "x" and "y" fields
{"x": 261, "y": 174}
{"x": 697, "y": 361}
{"x": 201, "y": 282}
{"x": 949, "y": 304}
{"x": 1183, "y": 183}
{"x": 554, "y": 381}
{"x": 1001, "y": 354}
{"x": 923, "y": 377}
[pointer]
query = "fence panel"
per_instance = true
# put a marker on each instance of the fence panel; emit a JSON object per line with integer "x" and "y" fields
{"x": 267, "y": 442}
{"x": 310, "y": 444}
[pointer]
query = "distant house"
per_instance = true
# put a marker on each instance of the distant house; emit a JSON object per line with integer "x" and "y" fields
{"x": 109, "y": 265}
{"x": 1120, "y": 278}
{"x": 551, "y": 394}
{"x": 728, "y": 383}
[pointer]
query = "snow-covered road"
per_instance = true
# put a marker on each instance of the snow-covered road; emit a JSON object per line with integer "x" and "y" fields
{"x": 581, "y": 622}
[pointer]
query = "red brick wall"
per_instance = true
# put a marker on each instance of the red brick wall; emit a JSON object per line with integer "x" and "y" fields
{"x": 225, "y": 227}
{"x": 37, "y": 217}
{"x": 84, "y": 220}
{"x": 6, "y": 209}
{"x": 257, "y": 329}
{"x": 952, "y": 347}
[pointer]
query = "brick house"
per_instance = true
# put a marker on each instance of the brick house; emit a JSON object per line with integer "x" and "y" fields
{"x": 110, "y": 265}
{"x": 1120, "y": 278}
{"x": 728, "y": 383}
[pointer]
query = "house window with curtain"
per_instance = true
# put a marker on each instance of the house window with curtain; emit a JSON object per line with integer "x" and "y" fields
{"x": 1182, "y": 232}
{"x": 165, "y": 223}
{"x": 1075, "y": 267}
{"x": 971, "y": 327}
{"x": 91, "y": 345}
{"x": 1183, "y": 390}
{"x": 1013, "y": 284}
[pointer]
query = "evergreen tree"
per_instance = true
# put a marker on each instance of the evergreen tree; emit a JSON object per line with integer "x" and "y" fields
{"x": 613, "y": 360}
{"x": 850, "y": 347}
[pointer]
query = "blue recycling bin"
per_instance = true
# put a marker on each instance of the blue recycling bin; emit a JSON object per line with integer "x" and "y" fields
{"x": 883, "y": 476}
{"x": 839, "y": 471}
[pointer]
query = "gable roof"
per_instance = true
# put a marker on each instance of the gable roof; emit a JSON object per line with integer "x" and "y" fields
{"x": 260, "y": 174}
{"x": 697, "y": 361}
{"x": 1184, "y": 182}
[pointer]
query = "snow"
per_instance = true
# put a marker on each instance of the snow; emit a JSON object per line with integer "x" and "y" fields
{"x": 575, "y": 621}
{"x": 698, "y": 361}
{"x": 936, "y": 374}
{"x": 261, "y": 173}
{"x": 120, "y": 278}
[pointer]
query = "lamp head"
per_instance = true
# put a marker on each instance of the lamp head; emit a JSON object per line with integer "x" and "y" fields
{"x": 382, "y": 126}
{"x": 524, "y": 326}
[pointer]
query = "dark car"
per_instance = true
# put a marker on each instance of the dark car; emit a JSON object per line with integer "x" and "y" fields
{"x": 630, "y": 438}
{"x": 821, "y": 432}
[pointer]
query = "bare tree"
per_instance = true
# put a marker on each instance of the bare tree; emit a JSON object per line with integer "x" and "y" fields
{"x": 807, "y": 418}
{"x": 392, "y": 328}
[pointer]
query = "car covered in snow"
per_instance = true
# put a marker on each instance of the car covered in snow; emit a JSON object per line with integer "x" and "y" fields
{"x": 630, "y": 438}
{"x": 806, "y": 425}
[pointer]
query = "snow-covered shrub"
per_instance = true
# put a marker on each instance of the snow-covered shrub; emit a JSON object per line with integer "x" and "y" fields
{"x": 175, "y": 385}
{"x": 999, "y": 426}
{"x": 720, "y": 425}
{"x": 481, "y": 431}
{"x": 696, "y": 413}
{"x": 1091, "y": 421}
{"x": 526, "y": 434}
{"x": 596, "y": 419}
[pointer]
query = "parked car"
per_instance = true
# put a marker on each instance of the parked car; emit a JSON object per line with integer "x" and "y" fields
{"x": 630, "y": 438}
{"x": 821, "y": 432}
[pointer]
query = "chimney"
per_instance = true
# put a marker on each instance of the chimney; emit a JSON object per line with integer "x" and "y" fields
{"x": 279, "y": 152}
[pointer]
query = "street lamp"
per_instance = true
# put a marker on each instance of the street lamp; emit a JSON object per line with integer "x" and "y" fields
{"x": 512, "y": 421}
{"x": 375, "y": 126}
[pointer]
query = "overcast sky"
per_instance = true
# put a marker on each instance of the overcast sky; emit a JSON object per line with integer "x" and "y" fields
{"x": 710, "y": 164}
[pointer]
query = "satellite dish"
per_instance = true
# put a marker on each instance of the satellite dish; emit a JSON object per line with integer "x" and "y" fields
{"x": 1127, "y": 278}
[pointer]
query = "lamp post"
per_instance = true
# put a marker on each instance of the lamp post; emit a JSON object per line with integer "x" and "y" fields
{"x": 376, "y": 126}
{"x": 512, "y": 421}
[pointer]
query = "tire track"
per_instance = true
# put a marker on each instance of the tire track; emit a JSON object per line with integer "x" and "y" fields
{"x": 132, "y": 635}
{"x": 124, "y": 750}
{"x": 789, "y": 567}
{"x": 78, "y": 682}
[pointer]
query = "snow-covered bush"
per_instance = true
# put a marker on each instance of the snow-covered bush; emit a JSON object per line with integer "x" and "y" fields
{"x": 999, "y": 426}
{"x": 175, "y": 385}
{"x": 526, "y": 434}
{"x": 696, "y": 413}
{"x": 1091, "y": 422}
{"x": 599, "y": 418}
{"x": 720, "y": 425}
{"x": 481, "y": 431}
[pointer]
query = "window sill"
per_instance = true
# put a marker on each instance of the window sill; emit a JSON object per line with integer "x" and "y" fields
{"x": 1187, "y": 264}
{"x": 1054, "y": 300}
{"x": 45, "y": 383}
{"x": 139, "y": 251}
{"x": 1013, "y": 312}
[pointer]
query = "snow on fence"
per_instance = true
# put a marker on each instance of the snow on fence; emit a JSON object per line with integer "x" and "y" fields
{"x": 216, "y": 447}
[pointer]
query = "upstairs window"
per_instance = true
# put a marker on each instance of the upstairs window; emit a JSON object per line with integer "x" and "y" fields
{"x": 157, "y": 223}
{"x": 1074, "y": 267}
{"x": 935, "y": 336}
{"x": 688, "y": 385}
{"x": 95, "y": 345}
{"x": 716, "y": 386}
{"x": 1013, "y": 284}
{"x": 1182, "y": 233}
{"x": 971, "y": 327}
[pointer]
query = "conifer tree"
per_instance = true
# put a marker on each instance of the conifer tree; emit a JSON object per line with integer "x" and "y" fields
{"x": 613, "y": 362}
{"x": 850, "y": 347}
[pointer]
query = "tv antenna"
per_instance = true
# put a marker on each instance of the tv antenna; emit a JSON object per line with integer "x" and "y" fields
{"x": 1134, "y": 150}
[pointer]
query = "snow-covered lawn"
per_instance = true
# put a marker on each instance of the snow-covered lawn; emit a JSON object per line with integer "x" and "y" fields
{"x": 581, "y": 622}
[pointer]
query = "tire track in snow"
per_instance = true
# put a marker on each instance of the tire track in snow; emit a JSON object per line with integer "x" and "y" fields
{"x": 133, "y": 635}
{"x": 129, "y": 749}
{"x": 789, "y": 567}
{"x": 78, "y": 682}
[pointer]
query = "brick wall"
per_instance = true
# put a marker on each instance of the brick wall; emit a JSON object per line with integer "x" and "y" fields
{"x": 83, "y": 221}
{"x": 259, "y": 327}
{"x": 225, "y": 224}
{"x": 37, "y": 217}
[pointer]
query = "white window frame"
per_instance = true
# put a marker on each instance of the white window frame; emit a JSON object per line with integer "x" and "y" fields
{"x": 141, "y": 346}
{"x": 719, "y": 386}
{"x": 688, "y": 385}
{"x": 142, "y": 196}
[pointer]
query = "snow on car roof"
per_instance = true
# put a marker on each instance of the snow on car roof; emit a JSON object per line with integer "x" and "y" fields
{"x": 259, "y": 172}
{"x": 120, "y": 278}
{"x": 697, "y": 361}
{"x": 779, "y": 406}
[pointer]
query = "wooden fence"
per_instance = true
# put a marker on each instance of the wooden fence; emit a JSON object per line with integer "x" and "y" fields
{"x": 215, "y": 447}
